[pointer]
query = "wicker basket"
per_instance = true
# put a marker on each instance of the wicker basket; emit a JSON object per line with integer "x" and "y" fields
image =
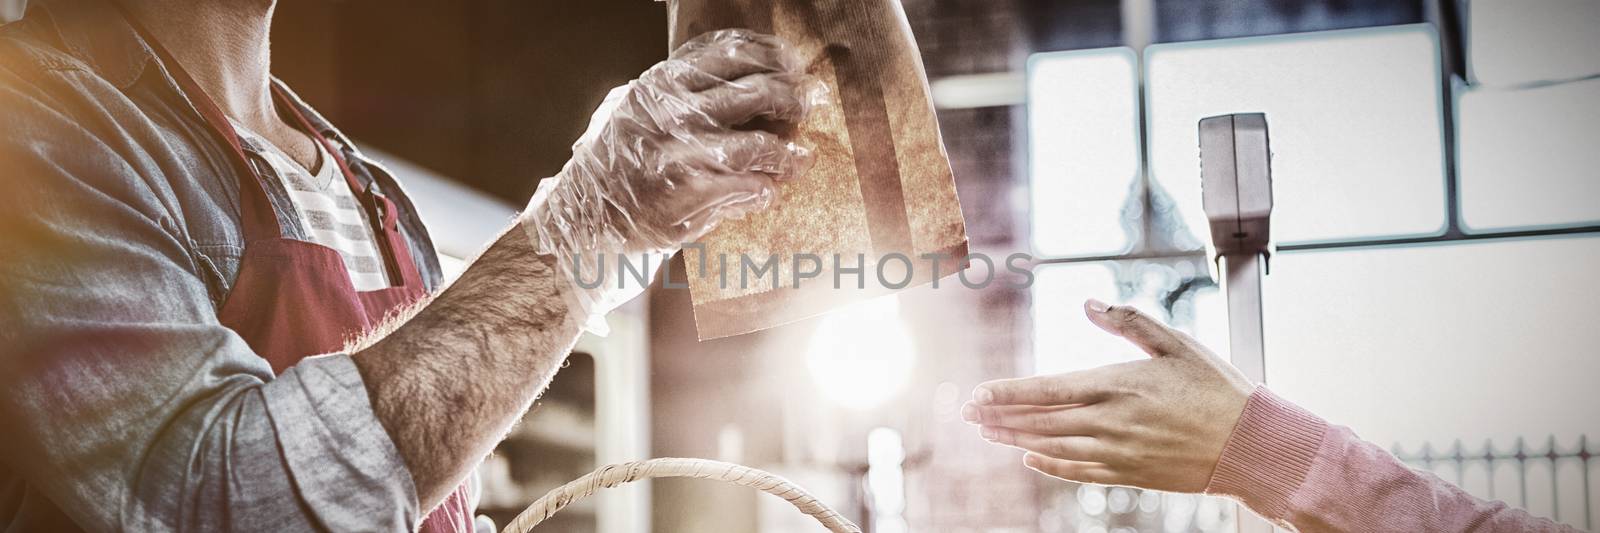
{"x": 617, "y": 474}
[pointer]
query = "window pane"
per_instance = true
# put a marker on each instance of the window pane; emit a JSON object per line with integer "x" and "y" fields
{"x": 1527, "y": 157}
{"x": 1188, "y": 20}
{"x": 1512, "y": 42}
{"x": 1065, "y": 340}
{"x": 1429, "y": 344}
{"x": 1355, "y": 122}
{"x": 1083, "y": 149}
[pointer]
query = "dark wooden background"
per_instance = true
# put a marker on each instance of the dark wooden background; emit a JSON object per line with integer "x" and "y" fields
{"x": 490, "y": 92}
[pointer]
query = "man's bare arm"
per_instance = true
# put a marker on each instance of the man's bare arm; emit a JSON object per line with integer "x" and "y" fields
{"x": 662, "y": 163}
{"x": 450, "y": 381}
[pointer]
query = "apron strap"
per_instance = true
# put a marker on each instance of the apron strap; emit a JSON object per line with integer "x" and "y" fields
{"x": 283, "y": 101}
{"x": 256, "y": 213}
{"x": 380, "y": 211}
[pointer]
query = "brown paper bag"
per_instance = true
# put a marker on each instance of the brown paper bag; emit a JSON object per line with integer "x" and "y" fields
{"x": 880, "y": 196}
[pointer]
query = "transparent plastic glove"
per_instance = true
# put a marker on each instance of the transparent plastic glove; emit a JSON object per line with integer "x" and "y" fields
{"x": 665, "y": 159}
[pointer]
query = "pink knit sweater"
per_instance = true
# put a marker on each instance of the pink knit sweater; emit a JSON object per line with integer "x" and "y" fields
{"x": 1301, "y": 473}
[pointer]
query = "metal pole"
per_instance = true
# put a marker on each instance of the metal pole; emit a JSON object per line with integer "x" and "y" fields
{"x": 1246, "y": 343}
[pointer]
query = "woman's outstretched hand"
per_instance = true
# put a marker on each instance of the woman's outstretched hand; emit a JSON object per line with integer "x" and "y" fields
{"x": 1159, "y": 423}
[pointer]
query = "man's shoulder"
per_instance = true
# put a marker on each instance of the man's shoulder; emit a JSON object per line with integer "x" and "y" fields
{"x": 48, "y": 93}
{"x": 74, "y": 59}
{"x": 60, "y": 117}
{"x": 49, "y": 90}
{"x": 30, "y": 48}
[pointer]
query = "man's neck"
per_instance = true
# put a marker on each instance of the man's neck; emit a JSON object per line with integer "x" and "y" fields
{"x": 224, "y": 45}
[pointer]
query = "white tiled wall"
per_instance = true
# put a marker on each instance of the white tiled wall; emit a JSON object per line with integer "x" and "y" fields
{"x": 1356, "y": 127}
{"x": 1516, "y": 42}
{"x": 1083, "y": 148}
{"x": 1527, "y": 158}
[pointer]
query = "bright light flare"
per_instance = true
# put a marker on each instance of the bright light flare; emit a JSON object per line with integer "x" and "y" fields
{"x": 862, "y": 356}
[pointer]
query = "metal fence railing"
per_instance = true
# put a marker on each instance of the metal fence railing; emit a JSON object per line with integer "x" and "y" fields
{"x": 1487, "y": 471}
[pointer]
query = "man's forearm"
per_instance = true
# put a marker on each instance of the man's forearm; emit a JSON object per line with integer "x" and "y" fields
{"x": 448, "y": 382}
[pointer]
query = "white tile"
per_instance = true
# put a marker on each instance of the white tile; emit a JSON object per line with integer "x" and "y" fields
{"x": 1529, "y": 158}
{"x": 1493, "y": 339}
{"x": 1083, "y": 137}
{"x": 1355, "y": 119}
{"x": 1512, "y": 42}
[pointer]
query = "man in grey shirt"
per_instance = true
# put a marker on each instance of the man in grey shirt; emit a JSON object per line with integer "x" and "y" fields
{"x": 126, "y": 402}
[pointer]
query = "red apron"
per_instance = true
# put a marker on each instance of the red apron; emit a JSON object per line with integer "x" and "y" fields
{"x": 293, "y": 299}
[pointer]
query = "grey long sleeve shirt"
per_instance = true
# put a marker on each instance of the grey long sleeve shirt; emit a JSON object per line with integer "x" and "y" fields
{"x": 124, "y": 403}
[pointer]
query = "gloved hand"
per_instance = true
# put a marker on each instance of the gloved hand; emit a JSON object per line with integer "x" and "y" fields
{"x": 665, "y": 159}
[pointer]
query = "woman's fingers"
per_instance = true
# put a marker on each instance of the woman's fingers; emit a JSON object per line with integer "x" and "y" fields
{"x": 1061, "y": 420}
{"x": 1149, "y": 334}
{"x": 1079, "y": 471}
{"x": 1084, "y": 386}
{"x": 1072, "y": 447}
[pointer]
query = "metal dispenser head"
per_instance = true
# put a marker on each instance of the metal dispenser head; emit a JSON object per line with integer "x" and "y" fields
{"x": 1236, "y": 182}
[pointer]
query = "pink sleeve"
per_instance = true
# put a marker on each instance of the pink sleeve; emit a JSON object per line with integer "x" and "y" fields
{"x": 1295, "y": 469}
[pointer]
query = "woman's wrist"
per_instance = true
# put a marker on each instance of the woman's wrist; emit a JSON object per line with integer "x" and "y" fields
{"x": 1268, "y": 455}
